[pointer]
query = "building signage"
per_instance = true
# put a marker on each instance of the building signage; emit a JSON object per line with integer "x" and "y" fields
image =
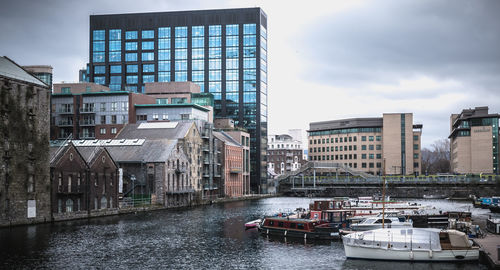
{"x": 120, "y": 180}
{"x": 31, "y": 208}
{"x": 482, "y": 129}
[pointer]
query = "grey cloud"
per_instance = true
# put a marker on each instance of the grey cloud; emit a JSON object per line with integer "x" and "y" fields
{"x": 387, "y": 40}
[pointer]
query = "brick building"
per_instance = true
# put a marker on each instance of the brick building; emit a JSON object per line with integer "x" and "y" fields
{"x": 84, "y": 180}
{"x": 90, "y": 114}
{"x": 24, "y": 137}
{"x": 232, "y": 169}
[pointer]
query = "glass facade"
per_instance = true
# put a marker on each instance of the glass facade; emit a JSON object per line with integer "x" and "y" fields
{"x": 226, "y": 57}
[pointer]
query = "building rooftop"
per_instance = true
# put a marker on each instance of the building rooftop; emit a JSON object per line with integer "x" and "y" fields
{"x": 155, "y": 130}
{"x": 223, "y": 136}
{"x": 10, "y": 69}
{"x": 173, "y": 105}
{"x": 134, "y": 150}
{"x": 346, "y": 123}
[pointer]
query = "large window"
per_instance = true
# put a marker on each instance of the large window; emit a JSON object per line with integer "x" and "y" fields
{"x": 232, "y": 70}
{"x": 115, "y": 54}
{"x": 181, "y": 67}
{"x": 214, "y": 62}
{"x": 98, "y": 45}
{"x": 164, "y": 55}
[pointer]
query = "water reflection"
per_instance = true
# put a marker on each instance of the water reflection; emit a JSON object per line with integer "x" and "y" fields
{"x": 204, "y": 237}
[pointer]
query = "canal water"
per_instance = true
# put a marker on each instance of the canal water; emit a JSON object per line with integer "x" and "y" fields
{"x": 205, "y": 237}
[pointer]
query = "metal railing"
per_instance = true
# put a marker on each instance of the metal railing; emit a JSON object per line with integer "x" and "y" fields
{"x": 138, "y": 201}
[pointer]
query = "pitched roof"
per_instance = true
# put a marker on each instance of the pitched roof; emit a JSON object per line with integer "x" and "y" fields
{"x": 149, "y": 151}
{"x": 223, "y": 136}
{"x": 156, "y": 130}
{"x": 10, "y": 69}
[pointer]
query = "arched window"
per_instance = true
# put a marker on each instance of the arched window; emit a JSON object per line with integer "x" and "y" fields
{"x": 69, "y": 205}
{"x": 104, "y": 203}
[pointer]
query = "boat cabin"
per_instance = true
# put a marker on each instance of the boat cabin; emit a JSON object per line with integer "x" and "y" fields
{"x": 290, "y": 224}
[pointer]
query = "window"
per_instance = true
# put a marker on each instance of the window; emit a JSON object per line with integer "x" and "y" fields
{"x": 378, "y": 138}
{"x": 363, "y": 147}
{"x": 370, "y": 156}
{"x": 142, "y": 117}
{"x": 114, "y": 106}
{"x": 130, "y": 57}
{"x": 363, "y": 138}
{"x": 113, "y": 119}
{"x": 148, "y": 68}
{"x": 415, "y": 164}
{"x": 31, "y": 183}
{"x": 103, "y": 119}
{"x": 116, "y": 69}
{"x": 148, "y": 45}
{"x": 379, "y": 147}
{"x": 131, "y": 46}
{"x": 148, "y": 34}
{"x": 415, "y": 137}
{"x": 97, "y": 70}
{"x": 371, "y": 147}
{"x": 148, "y": 56}
{"x": 69, "y": 205}
{"x": 379, "y": 156}
{"x": 363, "y": 156}
{"x": 415, "y": 147}
{"x": 415, "y": 156}
{"x": 113, "y": 130}
{"x": 104, "y": 202}
{"x": 132, "y": 68}
{"x": 103, "y": 131}
{"x": 371, "y": 138}
{"x": 131, "y": 35}
{"x": 65, "y": 90}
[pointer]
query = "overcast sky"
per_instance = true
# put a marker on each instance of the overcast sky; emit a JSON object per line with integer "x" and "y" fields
{"x": 327, "y": 59}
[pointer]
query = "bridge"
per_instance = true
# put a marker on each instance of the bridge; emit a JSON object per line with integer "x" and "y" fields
{"x": 336, "y": 179}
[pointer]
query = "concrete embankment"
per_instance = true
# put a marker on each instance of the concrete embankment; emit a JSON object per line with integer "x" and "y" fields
{"x": 78, "y": 215}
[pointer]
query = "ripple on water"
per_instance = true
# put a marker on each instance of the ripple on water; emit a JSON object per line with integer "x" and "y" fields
{"x": 205, "y": 237}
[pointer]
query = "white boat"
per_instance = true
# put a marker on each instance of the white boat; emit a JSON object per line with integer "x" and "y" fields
{"x": 390, "y": 221}
{"x": 410, "y": 245}
{"x": 253, "y": 224}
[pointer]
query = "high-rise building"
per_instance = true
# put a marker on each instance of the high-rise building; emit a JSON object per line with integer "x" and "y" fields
{"x": 474, "y": 141}
{"x": 223, "y": 51}
{"x": 42, "y": 72}
{"x": 383, "y": 145}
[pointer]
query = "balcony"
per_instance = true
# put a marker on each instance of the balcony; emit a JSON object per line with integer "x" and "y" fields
{"x": 205, "y": 149}
{"x": 206, "y": 161}
{"x": 206, "y": 174}
{"x": 88, "y": 110}
{"x": 65, "y": 111}
{"x": 87, "y": 122}
{"x": 70, "y": 189}
{"x": 65, "y": 123}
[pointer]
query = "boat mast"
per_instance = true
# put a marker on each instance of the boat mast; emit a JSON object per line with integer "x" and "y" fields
{"x": 383, "y": 202}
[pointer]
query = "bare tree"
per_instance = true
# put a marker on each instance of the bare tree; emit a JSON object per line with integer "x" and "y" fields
{"x": 437, "y": 158}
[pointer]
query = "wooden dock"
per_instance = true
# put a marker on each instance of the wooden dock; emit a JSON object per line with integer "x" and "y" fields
{"x": 489, "y": 246}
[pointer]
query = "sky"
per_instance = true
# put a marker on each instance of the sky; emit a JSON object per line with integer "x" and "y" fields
{"x": 327, "y": 60}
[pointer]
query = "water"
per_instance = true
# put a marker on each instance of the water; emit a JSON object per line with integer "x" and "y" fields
{"x": 205, "y": 237}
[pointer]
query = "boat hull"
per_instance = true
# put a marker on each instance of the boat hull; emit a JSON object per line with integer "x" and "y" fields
{"x": 367, "y": 227}
{"x": 299, "y": 234}
{"x": 356, "y": 252}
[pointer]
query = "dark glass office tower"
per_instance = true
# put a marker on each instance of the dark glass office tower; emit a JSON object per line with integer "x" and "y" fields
{"x": 223, "y": 51}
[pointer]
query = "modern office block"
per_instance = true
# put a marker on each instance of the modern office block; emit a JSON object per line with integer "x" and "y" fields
{"x": 381, "y": 145}
{"x": 474, "y": 141}
{"x": 223, "y": 51}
